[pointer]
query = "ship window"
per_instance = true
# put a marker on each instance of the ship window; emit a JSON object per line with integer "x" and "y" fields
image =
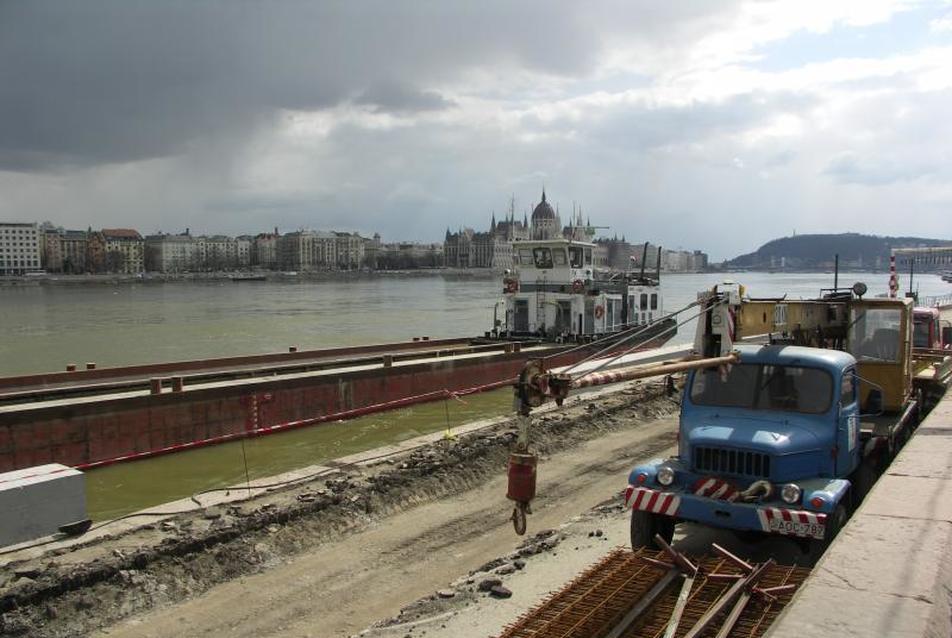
{"x": 644, "y": 301}
{"x": 874, "y": 334}
{"x": 575, "y": 256}
{"x": 558, "y": 256}
{"x": 543, "y": 257}
{"x": 588, "y": 256}
{"x": 654, "y": 301}
{"x": 525, "y": 256}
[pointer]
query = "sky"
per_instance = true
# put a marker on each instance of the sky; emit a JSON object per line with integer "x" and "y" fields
{"x": 694, "y": 124}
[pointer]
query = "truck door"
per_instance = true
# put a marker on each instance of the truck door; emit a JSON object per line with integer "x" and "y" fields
{"x": 847, "y": 438}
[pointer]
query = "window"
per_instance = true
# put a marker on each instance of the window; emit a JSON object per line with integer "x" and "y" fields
{"x": 588, "y": 256}
{"x": 558, "y": 256}
{"x": 525, "y": 256}
{"x": 575, "y": 256}
{"x": 654, "y": 301}
{"x": 644, "y": 301}
{"x": 874, "y": 334}
{"x": 848, "y": 388}
{"x": 542, "y": 257}
{"x": 920, "y": 335}
{"x": 765, "y": 387}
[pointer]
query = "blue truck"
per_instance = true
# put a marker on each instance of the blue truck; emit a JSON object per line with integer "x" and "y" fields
{"x": 773, "y": 444}
{"x": 782, "y": 436}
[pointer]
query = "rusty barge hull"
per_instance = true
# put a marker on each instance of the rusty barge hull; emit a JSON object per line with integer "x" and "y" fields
{"x": 91, "y": 418}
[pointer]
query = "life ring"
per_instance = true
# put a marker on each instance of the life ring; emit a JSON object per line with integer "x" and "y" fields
{"x": 512, "y": 285}
{"x": 599, "y": 312}
{"x": 578, "y": 286}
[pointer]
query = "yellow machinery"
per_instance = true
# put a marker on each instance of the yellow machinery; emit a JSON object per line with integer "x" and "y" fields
{"x": 876, "y": 331}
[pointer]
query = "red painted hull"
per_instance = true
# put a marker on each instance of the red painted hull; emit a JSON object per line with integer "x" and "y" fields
{"x": 109, "y": 429}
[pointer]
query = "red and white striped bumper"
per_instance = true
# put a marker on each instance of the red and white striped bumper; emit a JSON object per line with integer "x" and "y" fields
{"x": 646, "y": 500}
{"x": 776, "y": 520}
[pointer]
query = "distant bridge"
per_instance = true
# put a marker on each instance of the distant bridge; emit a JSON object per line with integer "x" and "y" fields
{"x": 926, "y": 259}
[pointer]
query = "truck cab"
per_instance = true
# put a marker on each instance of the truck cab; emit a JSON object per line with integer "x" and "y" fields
{"x": 767, "y": 445}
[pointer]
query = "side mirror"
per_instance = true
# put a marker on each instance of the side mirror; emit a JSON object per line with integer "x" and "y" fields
{"x": 874, "y": 402}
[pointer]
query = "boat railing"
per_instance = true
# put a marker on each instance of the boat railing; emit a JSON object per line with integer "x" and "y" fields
{"x": 937, "y": 300}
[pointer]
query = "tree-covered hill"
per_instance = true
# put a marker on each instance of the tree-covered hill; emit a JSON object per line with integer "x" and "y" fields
{"x": 818, "y": 251}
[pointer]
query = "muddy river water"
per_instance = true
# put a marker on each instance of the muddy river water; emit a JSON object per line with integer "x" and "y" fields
{"x": 47, "y": 326}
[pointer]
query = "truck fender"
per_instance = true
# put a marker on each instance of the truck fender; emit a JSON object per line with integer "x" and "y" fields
{"x": 831, "y": 491}
{"x": 649, "y": 470}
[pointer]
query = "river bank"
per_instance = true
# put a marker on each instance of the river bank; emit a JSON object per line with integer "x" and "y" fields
{"x": 422, "y": 501}
{"x": 243, "y": 276}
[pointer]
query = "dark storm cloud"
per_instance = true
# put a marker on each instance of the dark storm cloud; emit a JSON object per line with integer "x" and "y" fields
{"x": 403, "y": 99}
{"x": 103, "y": 81}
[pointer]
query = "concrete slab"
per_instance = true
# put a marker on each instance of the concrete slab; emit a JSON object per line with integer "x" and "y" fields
{"x": 36, "y": 501}
{"x": 822, "y": 610}
{"x": 911, "y": 497}
{"x": 900, "y": 557}
{"x": 925, "y": 457}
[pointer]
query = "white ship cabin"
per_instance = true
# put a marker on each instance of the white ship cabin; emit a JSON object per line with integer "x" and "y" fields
{"x": 555, "y": 291}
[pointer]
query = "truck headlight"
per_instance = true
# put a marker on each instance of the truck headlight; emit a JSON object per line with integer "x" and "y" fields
{"x": 790, "y": 493}
{"x": 665, "y": 475}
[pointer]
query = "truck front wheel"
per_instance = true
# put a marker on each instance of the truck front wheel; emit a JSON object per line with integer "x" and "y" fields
{"x": 834, "y": 523}
{"x": 644, "y": 526}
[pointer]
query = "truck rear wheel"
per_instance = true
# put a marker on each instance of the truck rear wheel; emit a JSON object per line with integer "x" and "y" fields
{"x": 644, "y": 526}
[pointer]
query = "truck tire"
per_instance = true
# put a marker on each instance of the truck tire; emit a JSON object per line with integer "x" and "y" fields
{"x": 835, "y": 522}
{"x": 644, "y": 526}
{"x": 863, "y": 479}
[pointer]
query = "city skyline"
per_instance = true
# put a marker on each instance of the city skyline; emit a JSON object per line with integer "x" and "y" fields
{"x": 679, "y": 122}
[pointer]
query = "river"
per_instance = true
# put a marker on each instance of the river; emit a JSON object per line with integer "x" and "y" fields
{"x": 47, "y": 326}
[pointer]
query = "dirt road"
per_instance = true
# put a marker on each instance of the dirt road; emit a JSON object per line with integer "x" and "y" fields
{"x": 341, "y": 587}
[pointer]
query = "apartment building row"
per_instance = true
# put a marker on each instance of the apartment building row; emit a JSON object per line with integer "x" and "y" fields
{"x": 27, "y": 247}
{"x": 304, "y": 250}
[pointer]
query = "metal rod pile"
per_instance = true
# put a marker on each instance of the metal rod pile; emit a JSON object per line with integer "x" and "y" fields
{"x": 665, "y": 595}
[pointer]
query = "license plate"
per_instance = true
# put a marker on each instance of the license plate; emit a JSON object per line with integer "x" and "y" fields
{"x": 796, "y": 528}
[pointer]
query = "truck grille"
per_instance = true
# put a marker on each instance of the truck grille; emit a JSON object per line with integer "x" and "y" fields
{"x": 710, "y": 459}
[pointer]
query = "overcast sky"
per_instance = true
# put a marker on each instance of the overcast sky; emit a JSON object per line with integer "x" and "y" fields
{"x": 710, "y": 125}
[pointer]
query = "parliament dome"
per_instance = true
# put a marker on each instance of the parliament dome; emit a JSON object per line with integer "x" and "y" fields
{"x": 543, "y": 211}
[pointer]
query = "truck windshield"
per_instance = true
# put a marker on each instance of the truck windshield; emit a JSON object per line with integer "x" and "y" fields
{"x": 765, "y": 387}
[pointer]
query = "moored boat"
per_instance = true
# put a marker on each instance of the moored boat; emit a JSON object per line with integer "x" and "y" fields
{"x": 554, "y": 292}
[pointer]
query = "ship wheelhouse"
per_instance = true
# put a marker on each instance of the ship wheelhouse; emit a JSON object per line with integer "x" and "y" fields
{"x": 555, "y": 291}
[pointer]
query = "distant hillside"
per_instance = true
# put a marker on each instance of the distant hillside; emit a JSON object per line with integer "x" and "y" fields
{"x": 808, "y": 252}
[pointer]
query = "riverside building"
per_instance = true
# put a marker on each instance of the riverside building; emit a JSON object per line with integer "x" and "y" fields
{"x": 19, "y": 248}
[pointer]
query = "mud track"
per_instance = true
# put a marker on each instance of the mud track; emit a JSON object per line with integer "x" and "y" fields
{"x": 330, "y": 556}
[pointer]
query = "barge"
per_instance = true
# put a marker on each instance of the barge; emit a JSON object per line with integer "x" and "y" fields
{"x": 559, "y": 309}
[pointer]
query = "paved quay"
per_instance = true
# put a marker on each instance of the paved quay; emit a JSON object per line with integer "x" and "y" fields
{"x": 889, "y": 572}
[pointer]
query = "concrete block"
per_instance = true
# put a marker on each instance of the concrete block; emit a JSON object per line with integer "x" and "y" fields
{"x": 898, "y": 556}
{"x": 923, "y": 456}
{"x": 911, "y": 497}
{"x": 822, "y": 610}
{"x": 35, "y": 501}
